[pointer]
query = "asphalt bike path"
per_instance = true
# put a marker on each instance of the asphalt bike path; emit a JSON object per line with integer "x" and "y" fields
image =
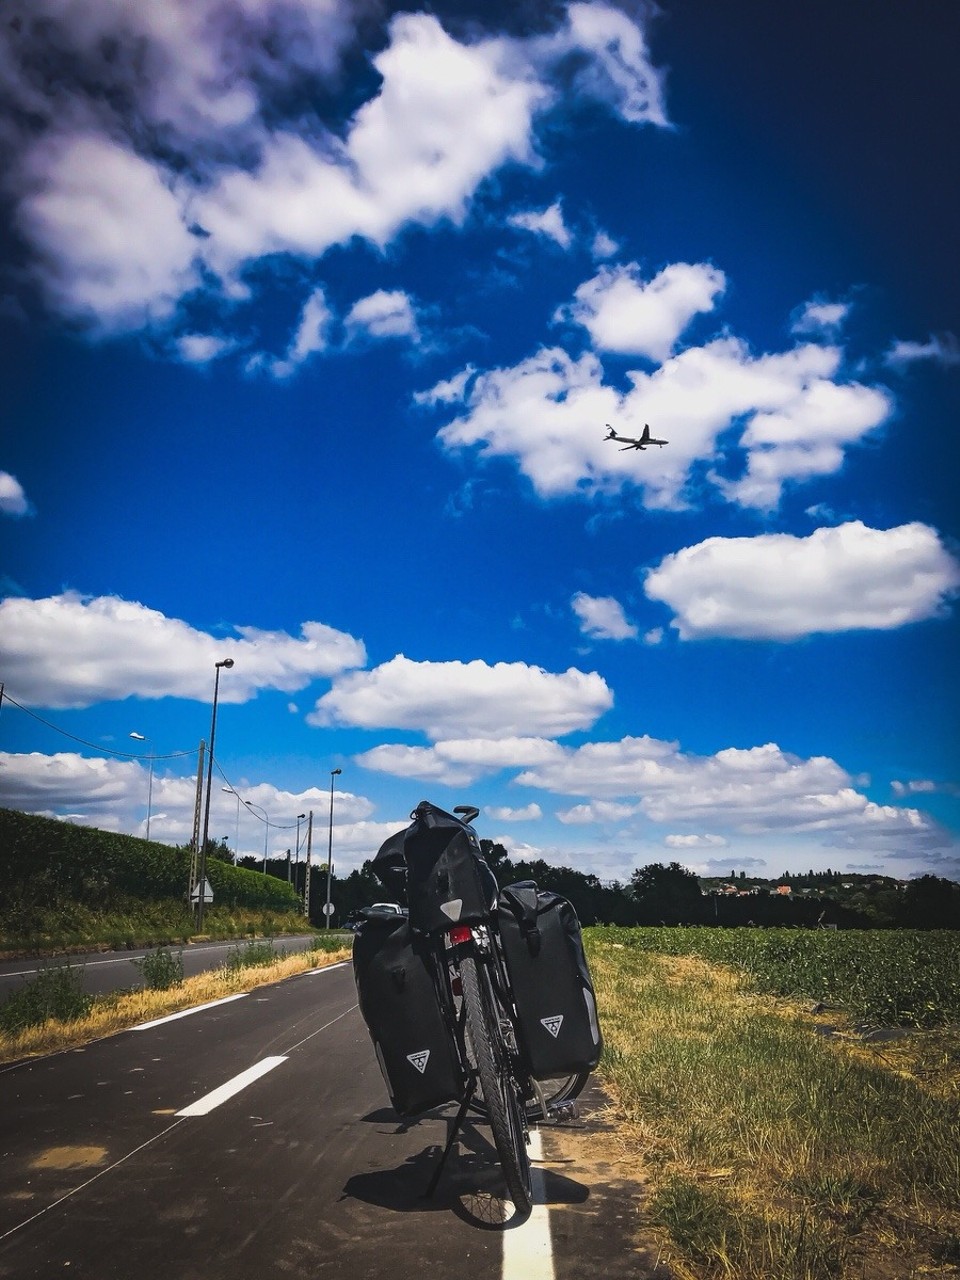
{"x": 254, "y": 1138}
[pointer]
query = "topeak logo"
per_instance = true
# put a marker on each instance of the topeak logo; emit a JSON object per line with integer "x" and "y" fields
{"x": 553, "y": 1024}
{"x": 419, "y": 1060}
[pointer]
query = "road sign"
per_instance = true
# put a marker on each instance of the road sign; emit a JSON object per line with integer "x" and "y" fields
{"x": 328, "y": 908}
{"x": 207, "y": 892}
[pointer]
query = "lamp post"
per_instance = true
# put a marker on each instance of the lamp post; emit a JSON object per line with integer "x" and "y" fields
{"x": 236, "y": 838}
{"x": 266, "y": 829}
{"x": 202, "y": 878}
{"x": 141, "y": 738}
{"x": 333, "y": 774}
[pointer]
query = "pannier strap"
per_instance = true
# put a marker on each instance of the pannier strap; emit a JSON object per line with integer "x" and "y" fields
{"x": 521, "y": 900}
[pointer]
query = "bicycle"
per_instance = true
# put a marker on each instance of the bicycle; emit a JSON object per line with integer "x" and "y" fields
{"x": 453, "y": 899}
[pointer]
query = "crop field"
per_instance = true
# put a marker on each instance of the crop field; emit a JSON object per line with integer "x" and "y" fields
{"x": 884, "y": 977}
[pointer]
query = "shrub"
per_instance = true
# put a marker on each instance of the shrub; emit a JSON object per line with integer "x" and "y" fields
{"x": 161, "y": 969}
{"x": 56, "y": 993}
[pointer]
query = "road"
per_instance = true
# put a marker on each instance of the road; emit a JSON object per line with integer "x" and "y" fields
{"x": 252, "y": 1138}
{"x": 106, "y": 971}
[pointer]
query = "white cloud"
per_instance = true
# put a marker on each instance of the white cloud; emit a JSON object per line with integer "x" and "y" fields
{"x": 384, "y": 314}
{"x": 694, "y": 842}
{"x": 72, "y": 650}
{"x": 188, "y": 116}
{"x": 529, "y": 813}
{"x": 13, "y": 500}
{"x": 201, "y": 348}
{"x": 582, "y": 815}
{"x": 625, "y": 314}
{"x": 749, "y": 791}
{"x": 777, "y": 586}
{"x": 312, "y": 336}
{"x": 111, "y": 794}
{"x": 448, "y": 391}
{"x": 602, "y": 617}
{"x": 820, "y": 317}
{"x": 785, "y": 409}
{"x": 618, "y": 69}
{"x": 604, "y": 246}
{"x": 465, "y": 698}
{"x": 107, "y": 231}
{"x": 545, "y": 222}
{"x": 457, "y": 762}
{"x": 940, "y": 349}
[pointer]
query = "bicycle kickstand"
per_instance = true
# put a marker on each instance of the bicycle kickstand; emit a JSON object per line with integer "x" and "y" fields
{"x": 451, "y": 1139}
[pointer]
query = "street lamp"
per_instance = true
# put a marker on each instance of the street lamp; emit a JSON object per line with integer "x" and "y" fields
{"x": 266, "y": 829}
{"x": 202, "y": 881}
{"x": 333, "y": 774}
{"x": 141, "y": 738}
{"x": 236, "y": 838}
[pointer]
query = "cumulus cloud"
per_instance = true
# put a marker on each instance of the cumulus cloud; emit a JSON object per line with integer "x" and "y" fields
{"x": 107, "y": 231}
{"x": 602, "y": 617}
{"x": 751, "y": 791}
{"x": 72, "y": 650}
{"x": 941, "y": 349}
{"x": 456, "y": 762}
{"x": 625, "y": 314}
{"x": 544, "y": 222}
{"x": 686, "y": 843}
{"x": 529, "y": 813}
{"x": 582, "y": 815}
{"x": 777, "y": 586}
{"x": 173, "y": 140}
{"x": 384, "y": 314}
{"x": 820, "y": 317}
{"x": 13, "y": 500}
{"x": 445, "y": 699}
{"x": 201, "y": 348}
{"x": 790, "y": 413}
{"x": 312, "y": 335}
{"x": 111, "y": 793}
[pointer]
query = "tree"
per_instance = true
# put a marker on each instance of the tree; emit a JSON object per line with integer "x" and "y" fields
{"x": 666, "y": 895}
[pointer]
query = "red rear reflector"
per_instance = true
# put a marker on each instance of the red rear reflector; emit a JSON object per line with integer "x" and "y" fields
{"x": 461, "y": 933}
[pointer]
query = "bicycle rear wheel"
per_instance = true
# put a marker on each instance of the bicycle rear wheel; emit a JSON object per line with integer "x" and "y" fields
{"x": 501, "y": 1096}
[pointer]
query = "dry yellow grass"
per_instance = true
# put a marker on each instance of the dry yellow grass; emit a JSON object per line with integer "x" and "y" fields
{"x": 127, "y": 1009}
{"x": 773, "y": 1151}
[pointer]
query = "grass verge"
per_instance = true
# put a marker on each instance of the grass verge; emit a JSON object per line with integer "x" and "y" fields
{"x": 124, "y": 1009}
{"x": 772, "y": 1151}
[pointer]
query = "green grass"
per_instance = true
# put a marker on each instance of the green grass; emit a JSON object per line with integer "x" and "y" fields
{"x": 902, "y": 977}
{"x": 773, "y": 1153}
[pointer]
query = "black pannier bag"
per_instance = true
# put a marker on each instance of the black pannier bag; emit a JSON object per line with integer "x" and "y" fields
{"x": 557, "y": 1008}
{"x": 399, "y": 1004}
{"x": 448, "y": 879}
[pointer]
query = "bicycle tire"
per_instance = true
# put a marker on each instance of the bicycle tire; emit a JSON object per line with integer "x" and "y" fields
{"x": 501, "y": 1101}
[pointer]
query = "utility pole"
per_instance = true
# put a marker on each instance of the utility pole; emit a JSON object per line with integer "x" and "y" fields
{"x": 306, "y": 883}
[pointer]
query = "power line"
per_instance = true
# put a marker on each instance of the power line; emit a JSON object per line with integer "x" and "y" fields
{"x": 97, "y": 746}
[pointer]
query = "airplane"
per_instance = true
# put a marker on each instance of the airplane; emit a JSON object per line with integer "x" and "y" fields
{"x": 630, "y": 443}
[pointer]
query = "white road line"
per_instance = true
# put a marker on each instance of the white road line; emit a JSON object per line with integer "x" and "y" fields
{"x": 327, "y": 968}
{"x": 185, "y": 1013}
{"x": 203, "y": 1106}
{"x": 527, "y": 1251}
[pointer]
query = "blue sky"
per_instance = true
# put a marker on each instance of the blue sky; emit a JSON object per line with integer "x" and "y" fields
{"x": 313, "y": 314}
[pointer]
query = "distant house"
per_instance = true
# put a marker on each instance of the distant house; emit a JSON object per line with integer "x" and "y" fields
{"x": 784, "y": 889}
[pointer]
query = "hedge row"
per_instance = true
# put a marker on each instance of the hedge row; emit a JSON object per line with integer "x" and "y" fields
{"x": 45, "y": 861}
